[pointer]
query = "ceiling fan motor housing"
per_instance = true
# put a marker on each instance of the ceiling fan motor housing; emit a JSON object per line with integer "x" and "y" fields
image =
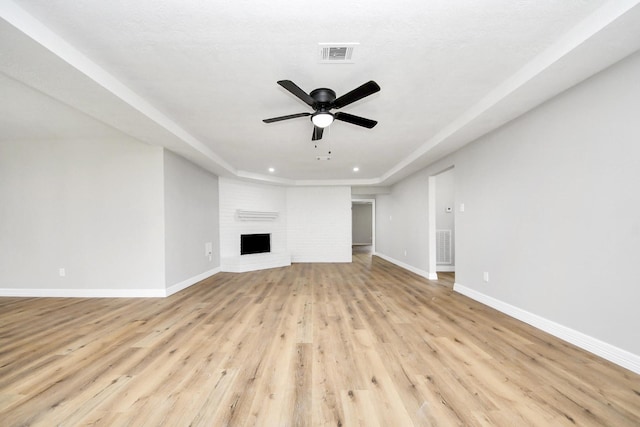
{"x": 323, "y": 97}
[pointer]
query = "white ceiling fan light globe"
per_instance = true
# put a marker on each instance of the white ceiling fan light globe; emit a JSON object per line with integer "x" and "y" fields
{"x": 322, "y": 120}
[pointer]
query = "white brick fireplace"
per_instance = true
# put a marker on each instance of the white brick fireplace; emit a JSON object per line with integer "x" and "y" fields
{"x": 247, "y": 208}
{"x": 306, "y": 224}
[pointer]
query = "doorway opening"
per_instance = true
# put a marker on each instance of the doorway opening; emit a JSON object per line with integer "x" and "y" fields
{"x": 442, "y": 224}
{"x": 363, "y": 225}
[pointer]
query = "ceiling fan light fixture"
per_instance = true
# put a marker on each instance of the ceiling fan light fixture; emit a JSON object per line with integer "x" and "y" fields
{"x": 322, "y": 119}
{"x": 323, "y": 100}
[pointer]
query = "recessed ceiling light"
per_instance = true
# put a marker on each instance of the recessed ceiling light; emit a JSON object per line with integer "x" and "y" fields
{"x": 272, "y": 170}
{"x": 356, "y": 169}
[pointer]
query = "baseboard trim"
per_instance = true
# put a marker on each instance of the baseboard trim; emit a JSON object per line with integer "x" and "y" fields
{"x": 315, "y": 260}
{"x": 419, "y": 272}
{"x": 445, "y": 268}
{"x": 106, "y": 293}
{"x": 82, "y": 293}
{"x": 254, "y": 262}
{"x": 593, "y": 345}
{"x": 191, "y": 281}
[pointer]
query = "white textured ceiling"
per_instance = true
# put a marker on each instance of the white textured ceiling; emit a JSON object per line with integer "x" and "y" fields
{"x": 199, "y": 76}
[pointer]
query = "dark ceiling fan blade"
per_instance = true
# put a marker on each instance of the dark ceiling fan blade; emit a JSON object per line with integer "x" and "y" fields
{"x": 358, "y": 93}
{"x": 317, "y": 133}
{"x": 290, "y": 116}
{"x": 294, "y": 89}
{"x": 355, "y": 120}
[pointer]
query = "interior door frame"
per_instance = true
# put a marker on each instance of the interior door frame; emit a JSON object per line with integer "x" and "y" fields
{"x": 433, "y": 274}
{"x": 373, "y": 221}
{"x": 431, "y": 226}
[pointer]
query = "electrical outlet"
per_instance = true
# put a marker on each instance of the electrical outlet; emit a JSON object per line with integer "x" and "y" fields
{"x": 485, "y": 276}
{"x": 405, "y": 252}
{"x": 62, "y": 272}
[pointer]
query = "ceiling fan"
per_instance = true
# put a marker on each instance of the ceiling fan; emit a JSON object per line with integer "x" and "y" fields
{"x": 323, "y": 100}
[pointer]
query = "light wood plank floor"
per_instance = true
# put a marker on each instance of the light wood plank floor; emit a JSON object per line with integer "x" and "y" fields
{"x": 310, "y": 345}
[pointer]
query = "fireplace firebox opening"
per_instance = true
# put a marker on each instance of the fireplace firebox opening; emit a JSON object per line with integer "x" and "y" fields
{"x": 255, "y": 243}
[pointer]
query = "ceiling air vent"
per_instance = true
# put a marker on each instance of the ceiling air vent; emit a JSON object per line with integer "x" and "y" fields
{"x": 336, "y": 53}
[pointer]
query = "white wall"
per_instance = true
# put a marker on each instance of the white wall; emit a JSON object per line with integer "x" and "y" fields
{"x": 402, "y": 223}
{"x": 191, "y": 220}
{"x": 361, "y": 223}
{"x": 235, "y": 194}
{"x": 551, "y": 213}
{"x": 319, "y": 224}
{"x": 93, "y": 207}
{"x": 552, "y": 206}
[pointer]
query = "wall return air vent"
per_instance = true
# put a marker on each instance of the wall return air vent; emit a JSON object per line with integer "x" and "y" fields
{"x": 336, "y": 53}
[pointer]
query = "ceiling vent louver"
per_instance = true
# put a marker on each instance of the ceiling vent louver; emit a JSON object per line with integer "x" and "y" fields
{"x": 336, "y": 53}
